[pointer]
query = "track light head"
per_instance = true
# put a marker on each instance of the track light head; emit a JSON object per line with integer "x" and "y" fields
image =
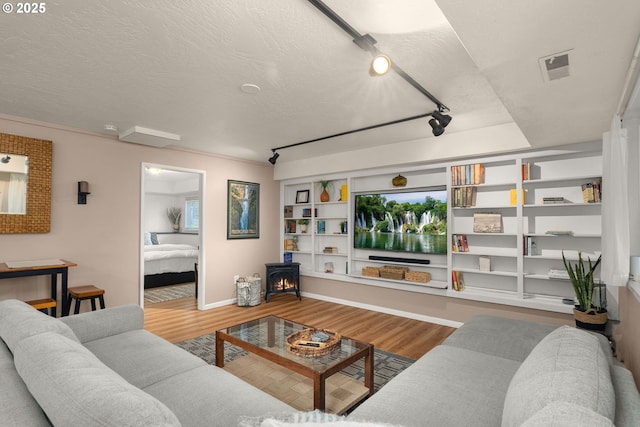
{"x": 436, "y": 127}
{"x": 5, "y": 159}
{"x": 443, "y": 119}
{"x": 380, "y": 65}
{"x": 274, "y": 158}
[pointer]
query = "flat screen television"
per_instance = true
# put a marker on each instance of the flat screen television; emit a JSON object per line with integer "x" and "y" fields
{"x": 412, "y": 221}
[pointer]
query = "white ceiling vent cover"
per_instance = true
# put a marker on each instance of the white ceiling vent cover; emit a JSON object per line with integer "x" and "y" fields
{"x": 146, "y": 136}
{"x": 555, "y": 66}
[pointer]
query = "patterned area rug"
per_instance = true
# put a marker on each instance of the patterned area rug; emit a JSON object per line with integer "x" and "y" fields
{"x": 168, "y": 293}
{"x": 386, "y": 365}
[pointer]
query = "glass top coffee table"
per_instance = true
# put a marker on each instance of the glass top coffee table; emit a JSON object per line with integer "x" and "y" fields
{"x": 266, "y": 337}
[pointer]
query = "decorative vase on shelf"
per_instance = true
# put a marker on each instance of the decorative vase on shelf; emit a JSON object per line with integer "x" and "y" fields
{"x": 324, "y": 196}
{"x": 176, "y": 228}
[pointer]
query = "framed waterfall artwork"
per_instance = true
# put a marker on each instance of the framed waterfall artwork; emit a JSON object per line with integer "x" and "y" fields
{"x": 243, "y": 210}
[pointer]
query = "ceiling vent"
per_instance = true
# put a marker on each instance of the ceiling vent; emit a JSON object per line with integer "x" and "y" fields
{"x": 555, "y": 66}
{"x": 146, "y": 136}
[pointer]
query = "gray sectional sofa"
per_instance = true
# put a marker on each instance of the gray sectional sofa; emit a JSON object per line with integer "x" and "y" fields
{"x": 102, "y": 368}
{"x": 494, "y": 371}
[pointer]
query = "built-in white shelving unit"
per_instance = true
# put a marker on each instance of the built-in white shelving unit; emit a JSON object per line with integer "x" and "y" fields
{"x": 518, "y": 274}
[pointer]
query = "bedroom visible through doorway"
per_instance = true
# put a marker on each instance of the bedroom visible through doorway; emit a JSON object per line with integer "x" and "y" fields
{"x": 171, "y": 254}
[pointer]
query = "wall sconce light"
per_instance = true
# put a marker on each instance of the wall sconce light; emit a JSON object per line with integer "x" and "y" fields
{"x": 83, "y": 190}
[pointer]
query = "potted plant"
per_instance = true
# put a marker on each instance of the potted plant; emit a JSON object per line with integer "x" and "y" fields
{"x": 324, "y": 196}
{"x": 303, "y": 224}
{"x": 589, "y": 313}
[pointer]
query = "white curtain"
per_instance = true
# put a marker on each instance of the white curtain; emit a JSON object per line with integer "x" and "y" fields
{"x": 615, "y": 207}
{"x": 17, "y": 199}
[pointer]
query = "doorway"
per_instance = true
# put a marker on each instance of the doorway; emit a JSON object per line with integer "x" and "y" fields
{"x": 172, "y": 252}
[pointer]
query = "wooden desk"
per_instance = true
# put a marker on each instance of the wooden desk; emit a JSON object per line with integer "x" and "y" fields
{"x": 41, "y": 270}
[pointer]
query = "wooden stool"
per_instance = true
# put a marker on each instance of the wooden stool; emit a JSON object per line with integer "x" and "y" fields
{"x": 89, "y": 292}
{"x": 43, "y": 304}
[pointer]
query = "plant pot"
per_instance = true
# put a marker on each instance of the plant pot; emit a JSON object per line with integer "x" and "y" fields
{"x": 590, "y": 320}
{"x": 324, "y": 196}
{"x": 303, "y": 228}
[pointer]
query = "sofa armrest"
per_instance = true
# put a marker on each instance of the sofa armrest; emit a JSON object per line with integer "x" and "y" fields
{"x": 107, "y": 322}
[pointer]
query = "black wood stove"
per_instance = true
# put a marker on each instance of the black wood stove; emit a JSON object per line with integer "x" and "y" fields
{"x": 282, "y": 277}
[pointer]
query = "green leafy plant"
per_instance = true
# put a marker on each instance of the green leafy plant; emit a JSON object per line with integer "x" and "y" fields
{"x": 583, "y": 283}
{"x": 303, "y": 221}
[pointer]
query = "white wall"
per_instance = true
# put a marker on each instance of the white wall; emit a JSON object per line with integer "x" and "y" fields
{"x": 103, "y": 237}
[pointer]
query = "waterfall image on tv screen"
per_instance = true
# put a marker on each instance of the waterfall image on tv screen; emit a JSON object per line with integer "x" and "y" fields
{"x": 414, "y": 221}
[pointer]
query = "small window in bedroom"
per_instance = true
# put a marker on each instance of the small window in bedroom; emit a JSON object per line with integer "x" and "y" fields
{"x": 192, "y": 214}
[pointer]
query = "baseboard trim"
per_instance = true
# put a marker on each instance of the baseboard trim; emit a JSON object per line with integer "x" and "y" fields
{"x": 400, "y": 313}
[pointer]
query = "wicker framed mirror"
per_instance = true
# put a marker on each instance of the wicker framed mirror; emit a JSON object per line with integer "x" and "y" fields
{"x": 37, "y": 218}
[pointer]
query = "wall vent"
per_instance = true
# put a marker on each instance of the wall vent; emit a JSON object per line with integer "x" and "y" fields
{"x": 555, "y": 66}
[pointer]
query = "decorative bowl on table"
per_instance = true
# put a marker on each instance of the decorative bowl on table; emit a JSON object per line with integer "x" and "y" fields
{"x": 313, "y": 342}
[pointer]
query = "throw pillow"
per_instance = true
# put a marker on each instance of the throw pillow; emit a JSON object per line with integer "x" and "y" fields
{"x": 154, "y": 239}
{"x": 568, "y": 365}
{"x": 74, "y": 388}
{"x": 147, "y": 239}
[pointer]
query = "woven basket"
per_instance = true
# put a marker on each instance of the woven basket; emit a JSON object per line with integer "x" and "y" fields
{"x": 301, "y": 344}
{"x": 417, "y": 276}
{"x": 371, "y": 271}
{"x": 590, "y": 320}
{"x": 393, "y": 272}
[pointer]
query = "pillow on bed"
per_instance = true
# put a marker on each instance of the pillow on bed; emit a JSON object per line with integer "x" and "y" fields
{"x": 154, "y": 239}
{"x": 147, "y": 238}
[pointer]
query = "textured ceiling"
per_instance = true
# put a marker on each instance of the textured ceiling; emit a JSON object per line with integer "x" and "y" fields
{"x": 178, "y": 67}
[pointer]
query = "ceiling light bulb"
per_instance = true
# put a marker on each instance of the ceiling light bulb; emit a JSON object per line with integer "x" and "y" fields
{"x": 380, "y": 65}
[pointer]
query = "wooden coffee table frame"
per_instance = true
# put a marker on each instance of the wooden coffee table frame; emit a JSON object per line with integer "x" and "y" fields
{"x": 319, "y": 377}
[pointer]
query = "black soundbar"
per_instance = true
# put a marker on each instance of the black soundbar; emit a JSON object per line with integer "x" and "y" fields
{"x": 395, "y": 259}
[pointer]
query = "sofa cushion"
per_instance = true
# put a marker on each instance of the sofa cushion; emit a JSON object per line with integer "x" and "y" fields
{"x": 568, "y": 365}
{"x": 563, "y": 414}
{"x": 447, "y": 386}
{"x": 507, "y": 338}
{"x": 627, "y": 398}
{"x": 75, "y": 389}
{"x": 18, "y": 320}
{"x": 211, "y": 396}
{"x": 94, "y": 325}
{"x": 17, "y": 406}
{"x": 143, "y": 358}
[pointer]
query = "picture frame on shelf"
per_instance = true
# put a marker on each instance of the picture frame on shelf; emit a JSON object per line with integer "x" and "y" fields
{"x": 243, "y": 210}
{"x": 487, "y": 223}
{"x": 302, "y": 196}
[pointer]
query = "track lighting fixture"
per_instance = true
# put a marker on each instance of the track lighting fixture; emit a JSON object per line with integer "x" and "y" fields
{"x": 380, "y": 65}
{"x": 5, "y": 159}
{"x": 274, "y": 158}
{"x": 443, "y": 119}
{"x": 436, "y": 127}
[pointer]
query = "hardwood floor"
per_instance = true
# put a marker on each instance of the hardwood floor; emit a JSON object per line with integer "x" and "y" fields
{"x": 180, "y": 319}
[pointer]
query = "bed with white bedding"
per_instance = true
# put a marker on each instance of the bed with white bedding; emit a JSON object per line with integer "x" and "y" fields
{"x": 169, "y": 264}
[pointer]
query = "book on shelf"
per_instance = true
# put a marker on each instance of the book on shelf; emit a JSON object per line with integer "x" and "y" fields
{"x": 554, "y": 200}
{"x": 558, "y": 273}
{"x": 321, "y": 227}
{"x": 287, "y": 257}
{"x": 487, "y": 223}
{"x": 513, "y": 196}
{"x": 306, "y": 212}
{"x": 288, "y": 211}
{"x": 464, "y": 197}
{"x": 290, "y": 245}
{"x": 330, "y": 250}
{"x": 591, "y": 192}
{"x": 530, "y": 171}
{"x": 531, "y": 246}
{"x": 457, "y": 280}
{"x": 559, "y": 232}
{"x": 470, "y": 174}
{"x": 484, "y": 263}
{"x": 290, "y": 226}
{"x": 459, "y": 243}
